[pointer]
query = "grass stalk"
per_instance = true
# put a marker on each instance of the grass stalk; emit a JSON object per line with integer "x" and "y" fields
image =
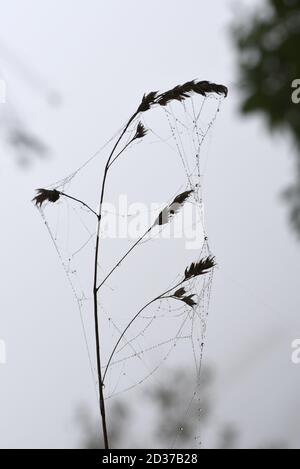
{"x": 95, "y": 284}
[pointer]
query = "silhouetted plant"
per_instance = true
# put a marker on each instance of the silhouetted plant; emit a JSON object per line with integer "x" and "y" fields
{"x": 119, "y": 418}
{"x": 170, "y": 422}
{"x": 45, "y": 195}
{"x": 196, "y": 269}
{"x": 179, "y": 93}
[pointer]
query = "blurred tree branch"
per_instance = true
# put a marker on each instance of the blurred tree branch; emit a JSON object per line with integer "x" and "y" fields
{"x": 269, "y": 62}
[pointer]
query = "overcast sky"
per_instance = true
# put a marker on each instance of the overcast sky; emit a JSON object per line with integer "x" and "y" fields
{"x": 101, "y": 57}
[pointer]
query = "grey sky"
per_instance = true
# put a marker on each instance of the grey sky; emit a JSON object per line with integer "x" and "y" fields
{"x": 101, "y": 57}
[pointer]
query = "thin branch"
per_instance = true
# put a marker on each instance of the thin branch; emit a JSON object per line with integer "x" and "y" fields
{"x": 79, "y": 201}
{"x": 120, "y": 153}
{"x": 124, "y": 332}
{"x": 196, "y": 269}
{"x": 124, "y": 257}
{"x": 132, "y": 321}
{"x": 168, "y": 212}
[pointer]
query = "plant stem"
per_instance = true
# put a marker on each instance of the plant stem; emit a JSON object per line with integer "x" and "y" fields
{"x": 95, "y": 283}
{"x": 124, "y": 257}
{"x": 79, "y": 201}
{"x": 120, "y": 153}
{"x": 161, "y": 296}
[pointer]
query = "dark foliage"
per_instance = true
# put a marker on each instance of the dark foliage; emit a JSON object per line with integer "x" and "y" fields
{"x": 168, "y": 212}
{"x": 189, "y": 300}
{"x": 269, "y": 62}
{"x": 180, "y": 292}
{"x": 141, "y": 131}
{"x": 199, "y": 268}
{"x": 292, "y": 195}
{"x": 45, "y": 195}
{"x": 172, "y": 417}
{"x": 147, "y": 101}
{"x": 180, "y": 93}
{"x": 181, "y": 198}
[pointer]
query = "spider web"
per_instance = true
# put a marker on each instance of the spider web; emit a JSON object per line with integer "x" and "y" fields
{"x": 168, "y": 332}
